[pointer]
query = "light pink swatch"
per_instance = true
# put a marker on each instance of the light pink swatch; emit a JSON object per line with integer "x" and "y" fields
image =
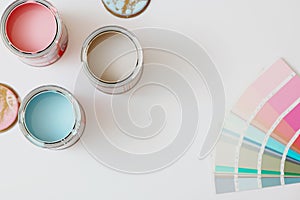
{"x": 265, "y": 118}
{"x": 271, "y": 111}
{"x": 286, "y": 96}
{"x": 261, "y": 88}
{"x": 31, "y": 27}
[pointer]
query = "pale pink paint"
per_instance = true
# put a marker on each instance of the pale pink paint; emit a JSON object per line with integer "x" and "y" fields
{"x": 281, "y": 101}
{"x": 265, "y": 118}
{"x": 247, "y": 103}
{"x": 31, "y": 27}
{"x": 9, "y": 106}
{"x": 271, "y": 78}
{"x": 261, "y": 88}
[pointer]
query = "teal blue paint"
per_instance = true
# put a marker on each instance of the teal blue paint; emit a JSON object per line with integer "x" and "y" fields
{"x": 257, "y": 136}
{"x": 291, "y": 180}
{"x": 275, "y": 146}
{"x": 49, "y": 116}
{"x": 270, "y": 182}
{"x": 294, "y": 155}
{"x": 222, "y": 169}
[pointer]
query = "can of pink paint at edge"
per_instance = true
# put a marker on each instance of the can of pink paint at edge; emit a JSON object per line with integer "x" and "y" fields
{"x": 34, "y": 31}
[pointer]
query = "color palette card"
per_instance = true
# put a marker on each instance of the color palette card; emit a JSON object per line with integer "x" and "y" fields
{"x": 260, "y": 144}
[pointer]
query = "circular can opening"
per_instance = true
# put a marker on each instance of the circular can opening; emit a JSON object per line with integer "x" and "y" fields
{"x": 31, "y": 27}
{"x": 113, "y": 59}
{"x": 50, "y": 117}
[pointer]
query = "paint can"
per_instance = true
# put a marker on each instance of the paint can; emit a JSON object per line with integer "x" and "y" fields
{"x": 112, "y": 59}
{"x": 50, "y": 117}
{"x": 34, "y": 31}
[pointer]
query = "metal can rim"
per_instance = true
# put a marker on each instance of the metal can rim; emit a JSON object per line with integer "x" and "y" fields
{"x": 18, "y": 52}
{"x": 136, "y": 73}
{"x": 79, "y": 123}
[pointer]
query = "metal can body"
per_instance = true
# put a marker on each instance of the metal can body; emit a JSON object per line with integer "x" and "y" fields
{"x": 46, "y": 56}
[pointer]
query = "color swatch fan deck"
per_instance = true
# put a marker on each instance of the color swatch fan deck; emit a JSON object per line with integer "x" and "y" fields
{"x": 260, "y": 144}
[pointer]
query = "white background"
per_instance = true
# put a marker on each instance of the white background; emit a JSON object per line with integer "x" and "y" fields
{"x": 242, "y": 37}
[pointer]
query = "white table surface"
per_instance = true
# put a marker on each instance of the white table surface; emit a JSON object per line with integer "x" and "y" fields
{"x": 242, "y": 37}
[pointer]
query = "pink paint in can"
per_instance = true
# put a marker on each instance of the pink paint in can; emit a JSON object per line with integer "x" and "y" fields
{"x": 34, "y": 31}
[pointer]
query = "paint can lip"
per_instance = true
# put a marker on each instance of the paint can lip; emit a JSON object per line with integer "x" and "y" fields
{"x": 111, "y": 85}
{"x": 78, "y": 126}
{"x": 131, "y": 15}
{"x": 15, "y": 107}
{"x": 11, "y": 46}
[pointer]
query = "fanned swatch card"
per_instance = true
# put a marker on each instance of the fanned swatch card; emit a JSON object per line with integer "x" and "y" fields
{"x": 260, "y": 144}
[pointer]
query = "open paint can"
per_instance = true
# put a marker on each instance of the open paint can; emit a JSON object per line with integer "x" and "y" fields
{"x": 50, "y": 117}
{"x": 34, "y": 31}
{"x": 112, "y": 59}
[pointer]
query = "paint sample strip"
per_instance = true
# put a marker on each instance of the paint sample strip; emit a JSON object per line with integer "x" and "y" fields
{"x": 269, "y": 133}
{"x": 267, "y": 91}
{"x": 286, "y": 163}
{"x": 278, "y": 104}
{"x": 260, "y": 143}
{"x": 265, "y": 86}
{"x": 272, "y": 113}
{"x": 253, "y": 136}
{"x": 225, "y": 149}
{"x": 268, "y": 119}
{"x": 247, "y": 163}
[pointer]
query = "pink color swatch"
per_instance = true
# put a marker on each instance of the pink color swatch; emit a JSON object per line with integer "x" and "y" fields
{"x": 296, "y": 144}
{"x": 9, "y": 106}
{"x": 280, "y": 102}
{"x": 276, "y": 105}
{"x": 262, "y": 87}
{"x": 286, "y": 96}
{"x": 283, "y": 133}
{"x": 293, "y": 118}
{"x": 31, "y": 27}
{"x": 265, "y": 118}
